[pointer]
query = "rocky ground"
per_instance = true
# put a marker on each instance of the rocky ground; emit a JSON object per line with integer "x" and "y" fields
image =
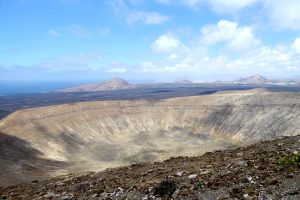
{"x": 266, "y": 170}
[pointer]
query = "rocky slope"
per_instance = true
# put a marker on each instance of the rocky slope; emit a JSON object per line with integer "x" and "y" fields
{"x": 112, "y": 84}
{"x": 260, "y": 171}
{"x": 98, "y": 135}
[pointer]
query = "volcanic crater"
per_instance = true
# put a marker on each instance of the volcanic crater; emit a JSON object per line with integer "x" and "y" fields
{"x": 43, "y": 142}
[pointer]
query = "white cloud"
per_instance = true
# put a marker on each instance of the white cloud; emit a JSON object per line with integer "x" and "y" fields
{"x": 223, "y": 31}
{"x": 146, "y": 17}
{"x": 237, "y": 38}
{"x": 284, "y": 14}
{"x": 53, "y": 33}
{"x": 172, "y": 56}
{"x": 132, "y": 16}
{"x": 254, "y": 57}
{"x": 244, "y": 40}
{"x": 263, "y": 60}
{"x": 221, "y": 6}
{"x": 296, "y": 45}
{"x": 79, "y": 31}
{"x": 230, "y": 6}
{"x": 166, "y": 43}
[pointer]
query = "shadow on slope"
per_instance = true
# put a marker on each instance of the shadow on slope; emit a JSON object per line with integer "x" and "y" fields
{"x": 19, "y": 162}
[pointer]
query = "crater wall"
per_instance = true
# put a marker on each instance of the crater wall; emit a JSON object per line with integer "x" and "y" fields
{"x": 97, "y": 135}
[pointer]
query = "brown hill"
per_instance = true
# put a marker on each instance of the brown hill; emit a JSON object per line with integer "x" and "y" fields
{"x": 255, "y": 79}
{"x": 112, "y": 84}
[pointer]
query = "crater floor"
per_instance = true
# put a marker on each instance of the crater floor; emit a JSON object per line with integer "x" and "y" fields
{"x": 251, "y": 172}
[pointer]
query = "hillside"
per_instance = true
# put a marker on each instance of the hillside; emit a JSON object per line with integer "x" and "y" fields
{"x": 259, "y": 171}
{"x": 255, "y": 79}
{"x": 102, "y": 134}
{"x": 112, "y": 84}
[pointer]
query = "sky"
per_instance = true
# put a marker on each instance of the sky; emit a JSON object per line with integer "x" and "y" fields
{"x": 148, "y": 40}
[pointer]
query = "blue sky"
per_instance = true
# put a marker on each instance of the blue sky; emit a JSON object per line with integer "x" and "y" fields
{"x": 148, "y": 40}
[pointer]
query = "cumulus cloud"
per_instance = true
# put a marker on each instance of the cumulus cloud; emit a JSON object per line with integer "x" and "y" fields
{"x": 146, "y": 17}
{"x": 296, "y": 45}
{"x": 237, "y": 38}
{"x": 255, "y": 56}
{"x": 263, "y": 60}
{"x": 165, "y": 44}
{"x": 284, "y": 14}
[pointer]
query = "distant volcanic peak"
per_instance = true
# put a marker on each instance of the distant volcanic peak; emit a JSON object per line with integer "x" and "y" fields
{"x": 183, "y": 81}
{"x": 112, "y": 84}
{"x": 258, "y": 77}
{"x": 255, "y": 79}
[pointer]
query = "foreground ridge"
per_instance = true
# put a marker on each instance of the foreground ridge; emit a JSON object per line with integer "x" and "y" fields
{"x": 259, "y": 171}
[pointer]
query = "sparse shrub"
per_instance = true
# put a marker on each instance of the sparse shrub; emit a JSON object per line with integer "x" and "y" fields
{"x": 165, "y": 187}
{"x": 283, "y": 162}
{"x": 200, "y": 185}
{"x": 293, "y": 161}
{"x": 296, "y": 160}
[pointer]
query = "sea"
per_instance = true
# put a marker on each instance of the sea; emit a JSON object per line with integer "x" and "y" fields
{"x": 16, "y": 87}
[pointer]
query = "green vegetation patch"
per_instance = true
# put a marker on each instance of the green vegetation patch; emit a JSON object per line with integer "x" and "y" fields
{"x": 290, "y": 161}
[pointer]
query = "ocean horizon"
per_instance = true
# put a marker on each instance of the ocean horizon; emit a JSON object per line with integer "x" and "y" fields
{"x": 19, "y": 87}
